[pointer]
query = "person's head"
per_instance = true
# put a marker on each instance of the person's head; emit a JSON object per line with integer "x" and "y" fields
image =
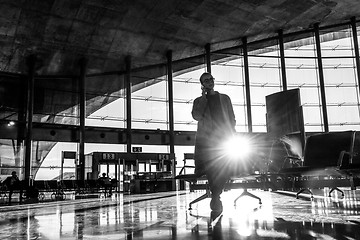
{"x": 13, "y": 173}
{"x": 207, "y": 80}
{"x": 104, "y": 174}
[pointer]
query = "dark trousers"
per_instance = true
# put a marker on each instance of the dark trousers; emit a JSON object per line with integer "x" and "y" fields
{"x": 217, "y": 179}
{"x": 108, "y": 189}
{"x": 211, "y": 161}
{"x": 11, "y": 191}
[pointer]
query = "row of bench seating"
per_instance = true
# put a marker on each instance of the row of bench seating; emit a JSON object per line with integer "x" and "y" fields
{"x": 56, "y": 188}
{"x": 329, "y": 160}
{"x": 330, "y": 156}
{"x": 79, "y": 186}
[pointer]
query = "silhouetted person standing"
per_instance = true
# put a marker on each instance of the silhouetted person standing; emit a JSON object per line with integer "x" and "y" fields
{"x": 216, "y": 123}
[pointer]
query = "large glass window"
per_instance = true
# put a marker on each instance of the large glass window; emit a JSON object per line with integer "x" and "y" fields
{"x": 340, "y": 81}
{"x": 227, "y": 69}
{"x": 58, "y": 104}
{"x": 11, "y": 158}
{"x": 47, "y": 157}
{"x": 264, "y": 74}
{"x": 186, "y": 88}
{"x": 302, "y": 73}
{"x": 149, "y": 99}
{"x": 105, "y": 101}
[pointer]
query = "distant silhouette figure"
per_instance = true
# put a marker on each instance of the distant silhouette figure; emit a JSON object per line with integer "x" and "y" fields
{"x": 105, "y": 182}
{"x": 12, "y": 182}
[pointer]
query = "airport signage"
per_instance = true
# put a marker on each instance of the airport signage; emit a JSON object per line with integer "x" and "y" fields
{"x": 137, "y": 149}
{"x": 108, "y": 156}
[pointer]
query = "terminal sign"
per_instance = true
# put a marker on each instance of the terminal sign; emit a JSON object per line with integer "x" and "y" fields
{"x": 137, "y": 149}
{"x": 163, "y": 156}
{"x": 108, "y": 156}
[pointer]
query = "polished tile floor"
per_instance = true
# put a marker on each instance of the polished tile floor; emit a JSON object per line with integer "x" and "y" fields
{"x": 166, "y": 216}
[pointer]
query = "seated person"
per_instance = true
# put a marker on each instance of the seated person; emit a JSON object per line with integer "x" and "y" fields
{"x": 114, "y": 182}
{"x": 105, "y": 182}
{"x": 12, "y": 182}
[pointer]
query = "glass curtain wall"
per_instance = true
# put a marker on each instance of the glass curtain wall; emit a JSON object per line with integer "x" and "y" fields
{"x": 228, "y": 70}
{"x": 339, "y": 69}
{"x": 105, "y": 107}
{"x": 105, "y": 101}
{"x": 186, "y": 89}
{"x": 50, "y": 160}
{"x": 340, "y": 79}
{"x": 11, "y": 158}
{"x": 56, "y": 105}
{"x": 265, "y": 79}
{"x": 148, "y": 106}
{"x": 149, "y": 98}
{"x": 302, "y": 73}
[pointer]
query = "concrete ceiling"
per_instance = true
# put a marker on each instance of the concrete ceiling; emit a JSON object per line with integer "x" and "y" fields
{"x": 60, "y": 32}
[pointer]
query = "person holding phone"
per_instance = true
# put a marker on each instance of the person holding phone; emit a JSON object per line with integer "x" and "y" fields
{"x": 216, "y": 122}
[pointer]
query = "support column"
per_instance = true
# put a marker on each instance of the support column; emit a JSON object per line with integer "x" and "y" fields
{"x": 247, "y": 84}
{"x": 207, "y": 58}
{"x": 128, "y": 103}
{"x": 21, "y": 126}
{"x": 82, "y": 101}
{"x": 171, "y": 101}
{"x": 356, "y": 49}
{"x": 321, "y": 77}
{"x": 29, "y": 116}
{"x": 282, "y": 60}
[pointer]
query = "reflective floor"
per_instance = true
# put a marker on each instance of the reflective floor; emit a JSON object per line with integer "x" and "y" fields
{"x": 166, "y": 216}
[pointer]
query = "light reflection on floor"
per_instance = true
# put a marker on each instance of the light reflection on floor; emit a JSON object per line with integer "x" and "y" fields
{"x": 166, "y": 216}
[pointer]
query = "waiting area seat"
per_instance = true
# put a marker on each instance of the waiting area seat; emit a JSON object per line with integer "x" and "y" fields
{"x": 193, "y": 179}
{"x": 327, "y": 158}
{"x": 330, "y": 160}
{"x": 55, "y": 189}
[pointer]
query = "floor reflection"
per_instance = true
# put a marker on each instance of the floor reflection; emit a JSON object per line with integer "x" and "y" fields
{"x": 166, "y": 216}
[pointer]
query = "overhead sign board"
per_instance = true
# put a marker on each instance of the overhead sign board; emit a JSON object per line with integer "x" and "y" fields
{"x": 163, "y": 156}
{"x": 137, "y": 149}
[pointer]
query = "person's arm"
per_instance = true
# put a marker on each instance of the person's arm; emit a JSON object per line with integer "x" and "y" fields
{"x": 199, "y": 108}
{"x": 231, "y": 113}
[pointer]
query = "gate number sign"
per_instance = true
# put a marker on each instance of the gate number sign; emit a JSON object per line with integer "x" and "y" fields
{"x": 137, "y": 149}
{"x": 108, "y": 156}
